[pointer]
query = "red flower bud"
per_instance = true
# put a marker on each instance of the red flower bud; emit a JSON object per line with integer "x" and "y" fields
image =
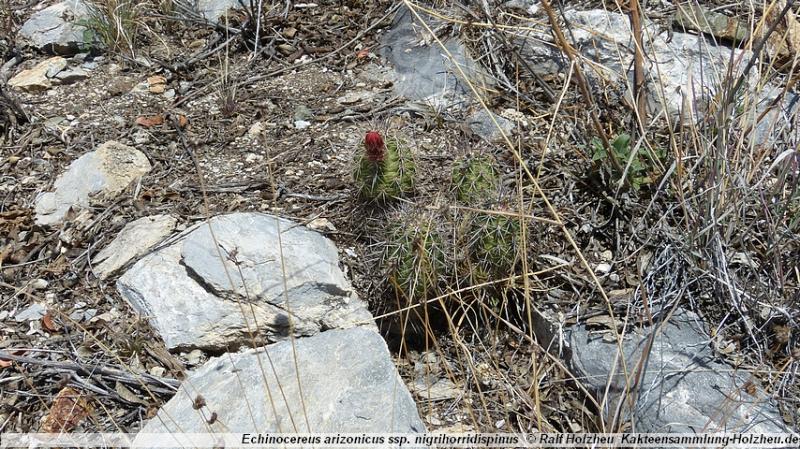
{"x": 376, "y": 149}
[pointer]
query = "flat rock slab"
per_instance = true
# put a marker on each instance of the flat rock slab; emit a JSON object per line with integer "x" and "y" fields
{"x": 228, "y": 288}
{"x": 100, "y": 174}
{"x": 135, "y": 239}
{"x": 423, "y": 72}
{"x": 340, "y": 381}
{"x": 37, "y": 79}
{"x": 55, "y": 29}
{"x": 684, "y": 388}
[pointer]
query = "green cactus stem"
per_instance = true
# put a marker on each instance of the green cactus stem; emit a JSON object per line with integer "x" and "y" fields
{"x": 383, "y": 169}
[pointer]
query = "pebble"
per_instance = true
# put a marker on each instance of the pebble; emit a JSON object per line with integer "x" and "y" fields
{"x": 39, "y": 284}
{"x": 603, "y": 268}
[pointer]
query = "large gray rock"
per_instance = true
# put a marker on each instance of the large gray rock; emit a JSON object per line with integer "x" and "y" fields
{"x": 227, "y": 288}
{"x": 423, "y": 72}
{"x": 340, "y": 381}
{"x": 214, "y": 10}
{"x": 135, "y": 239}
{"x": 684, "y": 388}
{"x": 100, "y": 174}
{"x": 56, "y": 28}
{"x": 685, "y": 71}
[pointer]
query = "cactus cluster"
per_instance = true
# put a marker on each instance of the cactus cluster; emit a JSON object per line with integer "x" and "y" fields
{"x": 429, "y": 252}
{"x": 384, "y": 169}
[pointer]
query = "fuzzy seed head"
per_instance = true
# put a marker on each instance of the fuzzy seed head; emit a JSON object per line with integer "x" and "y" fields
{"x": 375, "y": 148}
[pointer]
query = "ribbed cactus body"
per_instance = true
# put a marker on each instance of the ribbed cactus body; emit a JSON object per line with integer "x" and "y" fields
{"x": 384, "y": 173}
{"x": 416, "y": 253}
{"x": 475, "y": 180}
{"x": 493, "y": 243}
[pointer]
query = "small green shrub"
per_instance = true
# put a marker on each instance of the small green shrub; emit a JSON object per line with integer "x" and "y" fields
{"x": 640, "y": 166}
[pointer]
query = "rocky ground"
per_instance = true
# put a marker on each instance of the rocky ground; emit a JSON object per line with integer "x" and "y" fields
{"x": 274, "y": 129}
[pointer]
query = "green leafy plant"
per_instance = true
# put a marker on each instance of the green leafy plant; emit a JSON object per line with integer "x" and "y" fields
{"x": 638, "y": 173}
{"x": 383, "y": 169}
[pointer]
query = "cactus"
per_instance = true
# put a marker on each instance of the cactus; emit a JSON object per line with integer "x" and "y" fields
{"x": 474, "y": 179}
{"x": 416, "y": 254}
{"x": 383, "y": 170}
{"x": 492, "y": 244}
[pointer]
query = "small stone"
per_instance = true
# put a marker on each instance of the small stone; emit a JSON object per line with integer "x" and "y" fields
{"x": 183, "y": 87}
{"x": 289, "y": 32}
{"x": 57, "y": 28}
{"x": 69, "y": 76}
{"x": 353, "y": 97}
{"x": 704, "y": 20}
{"x": 39, "y": 284}
{"x": 89, "y": 314}
{"x": 482, "y": 124}
{"x": 301, "y": 124}
{"x": 118, "y": 121}
{"x": 607, "y": 256}
{"x": 253, "y": 157}
{"x": 32, "y": 313}
{"x": 286, "y": 49}
{"x": 255, "y": 129}
{"x": 603, "y": 268}
{"x": 321, "y": 225}
{"x": 134, "y": 240}
{"x": 157, "y": 84}
{"x": 141, "y": 137}
{"x": 157, "y": 371}
{"x": 193, "y": 358}
{"x": 114, "y": 68}
{"x": 103, "y": 173}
